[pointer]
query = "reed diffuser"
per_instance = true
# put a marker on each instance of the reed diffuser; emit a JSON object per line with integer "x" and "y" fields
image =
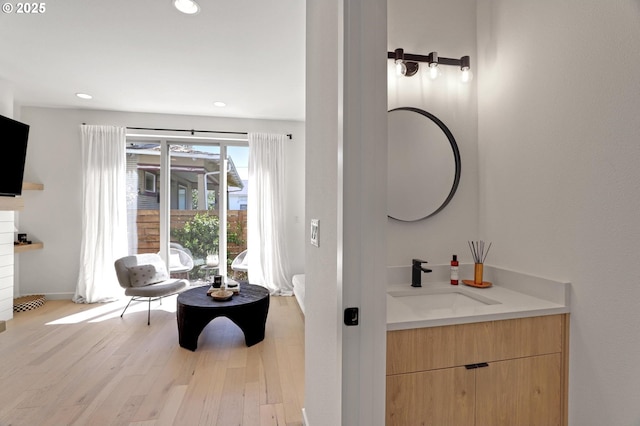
{"x": 479, "y": 255}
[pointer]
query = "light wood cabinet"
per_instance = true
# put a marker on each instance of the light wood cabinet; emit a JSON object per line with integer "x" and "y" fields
{"x": 508, "y": 372}
{"x": 408, "y": 402}
{"x": 522, "y": 391}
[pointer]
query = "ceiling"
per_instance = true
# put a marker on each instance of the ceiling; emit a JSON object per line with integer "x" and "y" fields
{"x": 145, "y": 56}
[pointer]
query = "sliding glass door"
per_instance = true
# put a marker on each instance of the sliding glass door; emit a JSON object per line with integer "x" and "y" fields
{"x": 184, "y": 198}
{"x": 194, "y": 206}
{"x": 237, "y": 206}
{"x": 143, "y": 196}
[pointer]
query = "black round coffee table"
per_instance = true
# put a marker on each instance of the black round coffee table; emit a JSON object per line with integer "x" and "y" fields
{"x": 247, "y": 309}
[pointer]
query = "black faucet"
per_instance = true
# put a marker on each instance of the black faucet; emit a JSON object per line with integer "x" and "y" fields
{"x": 416, "y": 272}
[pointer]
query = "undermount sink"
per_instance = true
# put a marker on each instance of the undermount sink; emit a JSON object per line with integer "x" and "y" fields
{"x": 421, "y": 300}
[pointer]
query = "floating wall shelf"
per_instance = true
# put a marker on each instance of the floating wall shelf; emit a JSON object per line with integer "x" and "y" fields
{"x": 30, "y": 186}
{"x": 11, "y": 203}
{"x": 21, "y": 248}
{"x": 17, "y": 203}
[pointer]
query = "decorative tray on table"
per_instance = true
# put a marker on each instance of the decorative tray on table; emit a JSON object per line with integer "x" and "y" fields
{"x": 221, "y": 295}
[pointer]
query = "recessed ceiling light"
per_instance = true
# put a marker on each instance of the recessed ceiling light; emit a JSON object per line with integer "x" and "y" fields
{"x": 220, "y": 104}
{"x": 188, "y": 7}
{"x": 84, "y": 96}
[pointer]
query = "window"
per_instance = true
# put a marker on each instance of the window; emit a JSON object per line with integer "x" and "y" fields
{"x": 182, "y": 197}
{"x": 149, "y": 182}
{"x": 196, "y": 195}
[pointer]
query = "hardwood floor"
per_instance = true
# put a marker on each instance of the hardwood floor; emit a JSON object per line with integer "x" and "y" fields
{"x": 70, "y": 364}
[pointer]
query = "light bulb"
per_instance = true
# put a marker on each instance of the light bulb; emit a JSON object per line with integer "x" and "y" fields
{"x": 188, "y": 7}
{"x": 466, "y": 75}
{"x": 434, "y": 70}
{"x": 401, "y": 68}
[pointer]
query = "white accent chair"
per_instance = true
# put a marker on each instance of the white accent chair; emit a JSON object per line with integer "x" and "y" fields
{"x": 240, "y": 263}
{"x": 146, "y": 276}
{"x": 180, "y": 262}
{"x": 180, "y": 247}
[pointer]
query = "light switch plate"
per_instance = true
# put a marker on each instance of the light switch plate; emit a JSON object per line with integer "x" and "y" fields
{"x": 315, "y": 232}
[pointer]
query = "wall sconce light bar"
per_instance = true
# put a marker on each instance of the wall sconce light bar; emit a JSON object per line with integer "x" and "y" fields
{"x": 412, "y": 60}
{"x": 403, "y": 67}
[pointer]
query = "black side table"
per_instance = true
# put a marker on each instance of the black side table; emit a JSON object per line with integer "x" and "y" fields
{"x": 247, "y": 309}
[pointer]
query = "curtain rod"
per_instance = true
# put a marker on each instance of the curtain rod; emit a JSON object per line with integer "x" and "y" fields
{"x": 192, "y": 131}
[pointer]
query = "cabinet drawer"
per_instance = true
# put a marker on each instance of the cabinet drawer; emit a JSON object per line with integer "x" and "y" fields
{"x": 507, "y": 339}
{"x": 420, "y": 349}
{"x": 431, "y": 398}
{"x": 456, "y": 345}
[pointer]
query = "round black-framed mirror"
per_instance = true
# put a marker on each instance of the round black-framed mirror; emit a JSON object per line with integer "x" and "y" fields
{"x": 423, "y": 164}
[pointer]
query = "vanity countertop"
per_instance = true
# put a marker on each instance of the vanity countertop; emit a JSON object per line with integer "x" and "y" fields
{"x": 518, "y": 297}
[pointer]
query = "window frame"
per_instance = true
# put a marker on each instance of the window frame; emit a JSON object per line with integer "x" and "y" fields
{"x": 148, "y": 174}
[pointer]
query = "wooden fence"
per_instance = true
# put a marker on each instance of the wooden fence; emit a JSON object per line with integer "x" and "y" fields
{"x": 148, "y": 222}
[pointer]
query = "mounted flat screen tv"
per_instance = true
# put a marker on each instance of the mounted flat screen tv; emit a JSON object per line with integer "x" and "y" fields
{"x": 13, "y": 152}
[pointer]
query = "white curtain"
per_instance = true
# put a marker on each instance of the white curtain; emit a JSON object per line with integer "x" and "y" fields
{"x": 104, "y": 216}
{"x": 266, "y": 246}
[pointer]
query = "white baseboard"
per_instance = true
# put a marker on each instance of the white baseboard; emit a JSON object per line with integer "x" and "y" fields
{"x": 58, "y": 296}
{"x": 305, "y": 421}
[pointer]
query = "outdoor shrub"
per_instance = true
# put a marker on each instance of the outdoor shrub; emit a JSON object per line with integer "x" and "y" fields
{"x": 200, "y": 235}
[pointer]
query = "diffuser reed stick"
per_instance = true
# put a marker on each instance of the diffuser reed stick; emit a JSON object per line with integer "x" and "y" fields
{"x": 478, "y": 252}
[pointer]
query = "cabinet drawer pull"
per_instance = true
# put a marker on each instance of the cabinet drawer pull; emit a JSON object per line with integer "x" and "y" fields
{"x": 479, "y": 365}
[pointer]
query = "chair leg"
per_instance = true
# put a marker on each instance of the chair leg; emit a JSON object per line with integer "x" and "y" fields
{"x": 148, "y": 310}
{"x": 125, "y": 308}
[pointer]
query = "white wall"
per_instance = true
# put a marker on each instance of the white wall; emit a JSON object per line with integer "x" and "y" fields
{"x": 448, "y": 28}
{"x": 323, "y": 333}
{"x": 346, "y": 177}
{"x": 54, "y": 215}
{"x": 6, "y": 100}
{"x": 559, "y": 101}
